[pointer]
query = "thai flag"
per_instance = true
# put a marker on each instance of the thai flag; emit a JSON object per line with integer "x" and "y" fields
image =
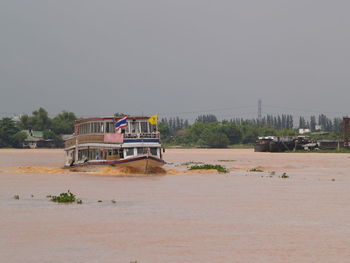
{"x": 122, "y": 123}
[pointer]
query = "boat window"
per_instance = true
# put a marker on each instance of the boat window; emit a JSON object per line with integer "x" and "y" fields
{"x": 154, "y": 151}
{"x": 153, "y": 128}
{"x": 142, "y": 150}
{"x": 127, "y": 128}
{"x": 129, "y": 151}
{"x": 144, "y": 127}
{"x": 95, "y": 127}
{"x": 102, "y": 127}
{"x": 111, "y": 127}
{"x": 83, "y": 155}
{"x": 134, "y": 127}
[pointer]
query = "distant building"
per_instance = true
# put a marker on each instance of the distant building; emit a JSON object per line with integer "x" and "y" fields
{"x": 36, "y": 139}
{"x": 303, "y": 131}
{"x": 318, "y": 127}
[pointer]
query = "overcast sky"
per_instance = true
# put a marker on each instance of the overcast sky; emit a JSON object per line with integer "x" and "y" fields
{"x": 181, "y": 57}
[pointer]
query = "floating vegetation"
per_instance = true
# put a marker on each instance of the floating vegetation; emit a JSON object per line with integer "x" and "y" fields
{"x": 333, "y": 179}
{"x": 226, "y": 160}
{"x": 16, "y": 197}
{"x": 273, "y": 173}
{"x": 99, "y": 201}
{"x": 63, "y": 198}
{"x": 190, "y": 163}
{"x": 219, "y": 168}
{"x": 255, "y": 170}
{"x": 79, "y": 201}
{"x": 113, "y": 201}
{"x": 284, "y": 175}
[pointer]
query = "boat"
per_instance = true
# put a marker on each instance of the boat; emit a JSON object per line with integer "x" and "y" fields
{"x": 275, "y": 144}
{"x": 99, "y": 142}
{"x": 263, "y": 144}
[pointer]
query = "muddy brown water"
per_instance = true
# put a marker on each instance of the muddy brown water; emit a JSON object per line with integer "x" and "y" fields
{"x": 241, "y": 216}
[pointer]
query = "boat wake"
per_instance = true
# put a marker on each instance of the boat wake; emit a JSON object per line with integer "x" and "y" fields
{"x": 128, "y": 171}
{"x": 105, "y": 171}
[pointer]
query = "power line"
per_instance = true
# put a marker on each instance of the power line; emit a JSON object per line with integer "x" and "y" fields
{"x": 302, "y": 110}
{"x": 206, "y": 110}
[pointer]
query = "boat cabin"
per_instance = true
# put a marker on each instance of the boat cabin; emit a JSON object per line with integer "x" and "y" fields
{"x": 96, "y": 140}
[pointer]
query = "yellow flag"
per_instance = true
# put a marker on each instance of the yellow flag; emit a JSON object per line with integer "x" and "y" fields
{"x": 153, "y": 120}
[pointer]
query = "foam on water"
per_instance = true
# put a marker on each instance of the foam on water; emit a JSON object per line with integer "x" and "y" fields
{"x": 101, "y": 171}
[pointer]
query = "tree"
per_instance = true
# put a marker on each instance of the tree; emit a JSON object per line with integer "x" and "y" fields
{"x": 164, "y": 130}
{"x": 217, "y": 140}
{"x": 119, "y": 114}
{"x": 212, "y": 136}
{"x": 302, "y": 123}
{"x": 207, "y": 118}
{"x": 231, "y": 131}
{"x": 57, "y": 139}
{"x": 312, "y": 123}
{"x": 18, "y": 139}
{"x": 8, "y": 129}
{"x": 63, "y": 123}
{"x": 40, "y": 120}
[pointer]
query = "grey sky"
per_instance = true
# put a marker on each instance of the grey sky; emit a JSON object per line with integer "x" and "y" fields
{"x": 148, "y": 56}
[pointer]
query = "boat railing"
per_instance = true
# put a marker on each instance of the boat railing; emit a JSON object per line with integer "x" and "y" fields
{"x": 141, "y": 135}
{"x": 85, "y": 138}
{"x": 99, "y": 138}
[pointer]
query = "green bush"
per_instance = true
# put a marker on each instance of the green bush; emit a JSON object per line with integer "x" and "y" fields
{"x": 284, "y": 175}
{"x": 64, "y": 198}
{"x": 255, "y": 170}
{"x": 217, "y": 167}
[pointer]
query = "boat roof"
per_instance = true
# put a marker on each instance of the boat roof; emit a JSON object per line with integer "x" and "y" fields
{"x": 82, "y": 120}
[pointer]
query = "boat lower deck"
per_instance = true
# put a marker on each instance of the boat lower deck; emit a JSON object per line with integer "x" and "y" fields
{"x": 140, "y": 164}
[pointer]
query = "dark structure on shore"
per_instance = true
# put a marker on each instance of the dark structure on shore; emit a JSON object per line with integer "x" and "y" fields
{"x": 282, "y": 144}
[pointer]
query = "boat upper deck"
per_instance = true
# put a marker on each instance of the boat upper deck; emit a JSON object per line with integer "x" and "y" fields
{"x": 100, "y": 130}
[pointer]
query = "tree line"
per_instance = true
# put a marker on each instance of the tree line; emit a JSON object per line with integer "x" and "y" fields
{"x": 206, "y": 131}
{"x": 12, "y": 132}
